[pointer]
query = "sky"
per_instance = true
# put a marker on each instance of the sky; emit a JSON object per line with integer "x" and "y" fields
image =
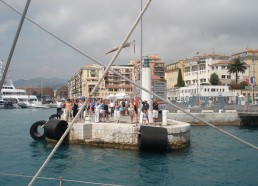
{"x": 172, "y": 29}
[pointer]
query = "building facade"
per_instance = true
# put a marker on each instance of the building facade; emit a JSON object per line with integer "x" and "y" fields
{"x": 171, "y": 73}
{"x": 84, "y": 81}
{"x": 250, "y": 57}
{"x": 221, "y": 69}
{"x": 198, "y": 70}
{"x": 115, "y": 84}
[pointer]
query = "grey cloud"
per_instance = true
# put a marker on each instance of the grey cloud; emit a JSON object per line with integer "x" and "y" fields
{"x": 172, "y": 29}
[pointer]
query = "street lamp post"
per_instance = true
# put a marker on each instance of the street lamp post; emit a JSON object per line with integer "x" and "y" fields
{"x": 253, "y": 78}
{"x": 198, "y": 98}
{"x": 197, "y": 81}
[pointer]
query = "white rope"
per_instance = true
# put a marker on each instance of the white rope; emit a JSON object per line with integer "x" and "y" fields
{"x": 58, "y": 179}
{"x": 77, "y": 115}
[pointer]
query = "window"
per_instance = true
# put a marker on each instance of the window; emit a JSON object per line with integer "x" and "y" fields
{"x": 223, "y": 67}
{"x": 223, "y": 77}
{"x": 194, "y": 68}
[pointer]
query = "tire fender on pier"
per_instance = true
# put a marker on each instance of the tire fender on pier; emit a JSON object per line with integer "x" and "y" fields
{"x": 53, "y": 116}
{"x": 55, "y": 128}
{"x": 153, "y": 139}
{"x": 34, "y": 132}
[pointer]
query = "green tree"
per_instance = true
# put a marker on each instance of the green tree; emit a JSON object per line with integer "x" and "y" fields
{"x": 214, "y": 79}
{"x": 236, "y": 66}
{"x": 180, "y": 81}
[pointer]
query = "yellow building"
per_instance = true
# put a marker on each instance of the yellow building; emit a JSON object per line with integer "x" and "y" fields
{"x": 171, "y": 73}
{"x": 249, "y": 56}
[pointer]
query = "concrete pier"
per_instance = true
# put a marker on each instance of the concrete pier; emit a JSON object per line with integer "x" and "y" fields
{"x": 125, "y": 135}
{"x": 248, "y": 119}
{"x": 226, "y": 118}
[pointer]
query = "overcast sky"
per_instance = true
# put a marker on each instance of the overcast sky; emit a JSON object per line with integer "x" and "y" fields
{"x": 173, "y": 29}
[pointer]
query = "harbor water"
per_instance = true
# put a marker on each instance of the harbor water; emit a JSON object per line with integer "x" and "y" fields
{"x": 211, "y": 159}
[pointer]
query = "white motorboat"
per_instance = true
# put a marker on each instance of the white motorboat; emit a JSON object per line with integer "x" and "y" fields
{"x": 5, "y": 104}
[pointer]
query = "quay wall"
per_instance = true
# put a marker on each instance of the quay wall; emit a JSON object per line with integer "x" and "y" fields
{"x": 122, "y": 136}
{"x": 227, "y": 118}
{"x": 125, "y": 136}
{"x": 178, "y": 134}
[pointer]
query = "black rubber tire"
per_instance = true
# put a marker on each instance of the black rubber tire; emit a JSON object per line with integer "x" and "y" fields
{"x": 55, "y": 128}
{"x": 53, "y": 116}
{"x": 153, "y": 139}
{"x": 34, "y": 133}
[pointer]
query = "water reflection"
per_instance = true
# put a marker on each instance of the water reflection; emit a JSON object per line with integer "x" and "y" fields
{"x": 156, "y": 165}
{"x": 38, "y": 148}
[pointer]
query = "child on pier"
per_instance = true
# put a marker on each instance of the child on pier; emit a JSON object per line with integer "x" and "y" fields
{"x": 145, "y": 117}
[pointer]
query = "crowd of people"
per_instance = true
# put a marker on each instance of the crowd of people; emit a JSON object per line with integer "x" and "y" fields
{"x": 107, "y": 110}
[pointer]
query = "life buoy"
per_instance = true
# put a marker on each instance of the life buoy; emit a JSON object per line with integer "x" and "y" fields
{"x": 34, "y": 132}
{"x": 153, "y": 139}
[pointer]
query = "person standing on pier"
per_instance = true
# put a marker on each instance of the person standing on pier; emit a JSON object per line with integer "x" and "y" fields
{"x": 145, "y": 106}
{"x": 96, "y": 114}
{"x": 106, "y": 112}
{"x": 131, "y": 110}
{"x": 111, "y": 105}
{"x": 136, "y": 106}
{"x": 155, "y": 111}
{"x": 58, "y": 109}
{"x": 144, "y": 110}
{"x": 117, "y": 112}
{"x": 75, "y": 107}
{"x": 68, "y": 110}
{"x": 145, "y": 118}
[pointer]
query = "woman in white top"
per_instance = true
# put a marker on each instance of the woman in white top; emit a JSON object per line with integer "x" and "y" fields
{"x": 97, "y": 110}
{"x": 117, "y": 112}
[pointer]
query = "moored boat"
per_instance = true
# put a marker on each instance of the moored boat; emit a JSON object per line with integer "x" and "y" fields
{"x": 17, "y": 97}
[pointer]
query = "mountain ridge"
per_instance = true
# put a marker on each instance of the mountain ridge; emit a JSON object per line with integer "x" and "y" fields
{"x": 54, "y": 83}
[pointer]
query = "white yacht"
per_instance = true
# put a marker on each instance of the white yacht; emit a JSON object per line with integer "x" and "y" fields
{"x": 18, "y": 96}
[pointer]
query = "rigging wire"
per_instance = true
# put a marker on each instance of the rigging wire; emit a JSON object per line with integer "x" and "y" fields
{"x": 58, "y": 179}
{"x": 118, "y": 74}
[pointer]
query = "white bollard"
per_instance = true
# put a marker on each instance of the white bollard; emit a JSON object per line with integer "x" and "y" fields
{"x": 164, "y": 117}
{"x": 87, "y": 120}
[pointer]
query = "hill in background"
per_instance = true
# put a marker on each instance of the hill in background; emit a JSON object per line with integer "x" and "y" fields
{"x": 54, "y": 83}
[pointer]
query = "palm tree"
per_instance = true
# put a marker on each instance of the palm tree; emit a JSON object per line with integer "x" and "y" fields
{"x": 236, "y": 66}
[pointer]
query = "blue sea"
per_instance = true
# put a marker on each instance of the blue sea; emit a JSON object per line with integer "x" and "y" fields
{"x": 211, "y": 159}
